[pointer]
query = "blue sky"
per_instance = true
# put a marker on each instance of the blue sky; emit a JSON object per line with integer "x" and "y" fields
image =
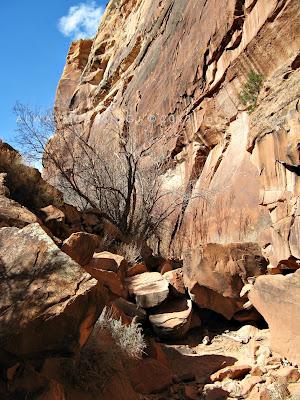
{"x": 35, "y": 38}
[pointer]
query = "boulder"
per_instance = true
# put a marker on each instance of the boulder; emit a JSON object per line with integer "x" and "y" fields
{"x": 149, "y": 376}
{"x": 175, "y": 279}
{"x": 13, "y": 214}
{"x": 150, "y": 289}
{"x": 131, "y": 309}
{"x": 172, "y": 319}
{"x": 277, "y": 298}
{"x": 52, "y": 213}
{"x": 286, "y": 375}
{"x": 231, "y": 372}
{"x": 108, "y": 279}
{"x": 48, "y": 302}
{"x": 54, "y": 219}
{"x": 80, "y": 246}
{"x": 136, "y": 270}
{"x": 109, "y": 262}
{"x": 222, "y": 271}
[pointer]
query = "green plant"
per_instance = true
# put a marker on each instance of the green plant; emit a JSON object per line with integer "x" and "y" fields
{"x": 251, "y": 89}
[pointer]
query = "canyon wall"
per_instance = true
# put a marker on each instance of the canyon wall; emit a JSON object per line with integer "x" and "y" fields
{"x": 176, "y": 69}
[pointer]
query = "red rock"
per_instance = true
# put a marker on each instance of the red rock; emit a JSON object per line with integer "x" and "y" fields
{"x": 110, "y": 262}
{"x": 53, "y": 213}
{"x": 172, "y": 319}
{"x": 149, "y": 376}
{"x": 277, "y": 298}
{"x": 55, "y": 296}
{"x": 13, "y": 214}
{"x": 231, "y": 372}
{"x": 80, "y": 247}
{"x": 286, "y": 375}
{"x": 216, "y": 393}
{"x": 249, "y": 383}
{"x": 55, "y": 391}
{"x": 220, "y": 275}
{"x": 109, "y": 279}
{"x": 136, "y": 270}
{"x": 131, "y": 309}
{"x": 190, "y": 392}
{"x": 175, "y": 279}
{"x": 150, "y": 289}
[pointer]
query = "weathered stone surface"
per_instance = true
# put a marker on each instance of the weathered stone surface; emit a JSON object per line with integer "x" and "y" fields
{"x": 150, "y": 289}
{"x": 172, "y": 319}
{"x": 232, "y": 372}
{"x": 277, "y": 298}
{"x": 175, "y": 279}
{"x": 80, "y": 246}
{"x": 149, "y": 376}
{"x": 205, "y": 136}
{"x": 131, "y": 309}
{"x": 48, "y": 302}
{"x": 108, "y": 279}
{"x": 110, "y": 262}
{"x": 136, "y": 270}
{"x": 216, "y": 280}
{"x": 13, "y": 214}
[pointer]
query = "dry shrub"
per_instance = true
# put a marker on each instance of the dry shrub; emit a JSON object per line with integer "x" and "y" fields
{"x": 130, "y": 251}
{"x": 91, "y": 371}
{"x": 128, "y": 338}
{"x": 96, "y": 364}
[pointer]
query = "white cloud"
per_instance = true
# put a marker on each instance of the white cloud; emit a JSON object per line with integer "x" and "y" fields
{"x": 82, "y": 20}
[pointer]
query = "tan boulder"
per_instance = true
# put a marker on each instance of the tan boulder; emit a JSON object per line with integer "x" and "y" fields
{"x": 53, "y": 213}
{"x": 72, "y": 215}
{"x": 175, "y": 279}
{"x": 109, "y": 262}
{"x": 231, "y": 372}
{"x": 286, "y": 375}
{"x": 172, "y": 319}
{"x": 80, "y": 246}
{"x": 108, "y": 279}
{"x": 48, "y": 302}
{"x": 277, "y": 298}
{"x": 13, "y": 214}
{"x": 216, "y": 281}
{"x": 150, "y": 289}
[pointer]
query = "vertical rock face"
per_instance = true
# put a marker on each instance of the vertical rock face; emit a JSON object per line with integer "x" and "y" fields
{"x": 177, "y": 68}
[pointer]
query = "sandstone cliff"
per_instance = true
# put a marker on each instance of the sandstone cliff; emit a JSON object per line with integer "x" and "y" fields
{"x": 177, "y": 68}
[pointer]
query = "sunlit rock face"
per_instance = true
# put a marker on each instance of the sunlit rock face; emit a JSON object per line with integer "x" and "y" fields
{"x": 176, "y": 69}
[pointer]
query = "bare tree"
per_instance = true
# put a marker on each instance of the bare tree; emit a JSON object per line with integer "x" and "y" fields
{"x": 122, "y": 178}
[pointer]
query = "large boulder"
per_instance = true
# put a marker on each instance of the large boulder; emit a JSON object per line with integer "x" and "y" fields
{"x": 150, "y": 289}
{"x": 80, "y": 246}
{"x": 109, "y": 262}
{"x": 173, "y": 319}
{"x": 277, "y": 298}
{"x": 13, "y": 214}
{"x": 175, "y": 279}
{"x": 216, "y": 280}
{"x": 48, "y": 302}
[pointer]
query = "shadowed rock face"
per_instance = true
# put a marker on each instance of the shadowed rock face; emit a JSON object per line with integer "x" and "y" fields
{"x": 48, "y": 303}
